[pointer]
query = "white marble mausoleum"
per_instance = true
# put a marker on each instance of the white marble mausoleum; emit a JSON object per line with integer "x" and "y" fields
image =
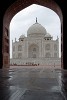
{"x": 38, "y": 47}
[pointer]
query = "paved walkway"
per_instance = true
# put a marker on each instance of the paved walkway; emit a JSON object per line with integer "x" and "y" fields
{"x": 33, "y": 84}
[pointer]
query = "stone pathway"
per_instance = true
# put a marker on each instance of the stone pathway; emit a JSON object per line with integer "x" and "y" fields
{"x": 33, "y": 84}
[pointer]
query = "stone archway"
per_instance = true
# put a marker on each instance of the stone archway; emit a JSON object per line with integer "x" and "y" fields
{"x": 15, "y": 8}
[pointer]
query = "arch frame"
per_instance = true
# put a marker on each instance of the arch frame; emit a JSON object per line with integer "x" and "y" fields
{"x": 13, "y": 9}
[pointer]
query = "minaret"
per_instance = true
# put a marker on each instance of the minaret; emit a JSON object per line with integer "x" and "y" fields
{"x": 12, "y": 48}
{"x": 12, "y": 41}
{"x": 15, "y": 39}
{"x": 57, "y": 38}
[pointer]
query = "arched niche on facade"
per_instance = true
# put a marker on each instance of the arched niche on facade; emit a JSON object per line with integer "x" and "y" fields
{"x": 33, "y": 51}
{"x": 14, "y": 9}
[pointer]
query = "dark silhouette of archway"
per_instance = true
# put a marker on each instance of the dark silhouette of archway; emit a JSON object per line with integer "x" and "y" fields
{"x": 14, "y": 8}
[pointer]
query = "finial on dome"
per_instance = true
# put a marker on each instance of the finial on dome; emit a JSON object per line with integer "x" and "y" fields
{"x": 36, "y": 19}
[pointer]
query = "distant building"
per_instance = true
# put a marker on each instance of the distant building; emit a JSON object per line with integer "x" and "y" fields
{"x": 37, "y": 48}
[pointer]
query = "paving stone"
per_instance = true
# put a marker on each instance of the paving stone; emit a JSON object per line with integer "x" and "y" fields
{"x": 33, "y": 84}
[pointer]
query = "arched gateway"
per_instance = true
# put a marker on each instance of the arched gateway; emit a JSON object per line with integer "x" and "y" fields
{"x": 33, "y": 51}
{"x": 12, "y": 10}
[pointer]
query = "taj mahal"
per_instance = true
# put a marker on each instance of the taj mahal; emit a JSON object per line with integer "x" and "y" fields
{"x": 37, "y": 48}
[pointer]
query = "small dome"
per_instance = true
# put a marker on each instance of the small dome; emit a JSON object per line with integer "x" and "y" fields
{"x": 36, "y": 29}
{"x": 47, "y": 35}
{"x": 22, "y": 36}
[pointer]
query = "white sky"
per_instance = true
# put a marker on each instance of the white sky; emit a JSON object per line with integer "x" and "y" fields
{"x": 25, "y": 18}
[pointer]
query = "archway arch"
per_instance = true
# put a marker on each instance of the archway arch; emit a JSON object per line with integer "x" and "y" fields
{"x": 15, "y": 8}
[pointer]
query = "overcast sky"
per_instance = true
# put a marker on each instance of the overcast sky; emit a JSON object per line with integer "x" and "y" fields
{"x": 27, "y": 17}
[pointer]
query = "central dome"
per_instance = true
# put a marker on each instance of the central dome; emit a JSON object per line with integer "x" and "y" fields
{"x": 36, "y": 29}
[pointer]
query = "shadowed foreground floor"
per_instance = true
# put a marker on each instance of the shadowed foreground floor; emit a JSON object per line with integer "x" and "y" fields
{"x": 33, "y": 84}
